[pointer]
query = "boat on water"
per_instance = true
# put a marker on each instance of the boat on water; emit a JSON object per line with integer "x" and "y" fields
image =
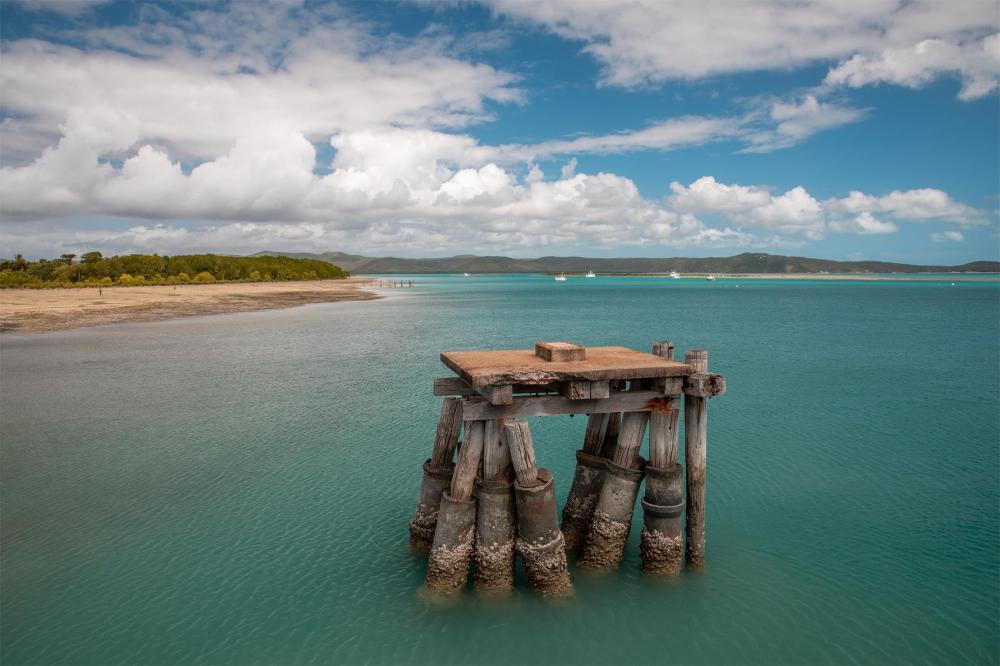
{"x": 590, "y": 274}
{"x": 561, "y": 277}
{"x": 710, "y": 278}
{"x": 466, "y": 274}
{"x": 674, "y": 275}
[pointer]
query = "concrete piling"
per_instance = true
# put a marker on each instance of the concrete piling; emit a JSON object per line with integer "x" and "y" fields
{"x": 539, "y": 541}
{"x": 612, "y": 521}
{"x": 662, "y": 545}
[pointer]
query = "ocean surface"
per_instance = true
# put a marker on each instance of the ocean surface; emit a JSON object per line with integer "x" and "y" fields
{"x": 236, "y": 489}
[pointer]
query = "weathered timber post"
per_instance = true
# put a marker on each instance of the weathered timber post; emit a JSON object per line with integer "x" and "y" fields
{"x": 662, "y": 545}
{"x": 451, "y": 552}
{"x": 495, "y": 518}
{"x": 437, "y": 475}
{"x": 614, "y": 425}
{"x": 539, "y": 541}
{"x": 612, "y": 520}
{"x": 696, "y": 459}
{"x": 587, "y": 480}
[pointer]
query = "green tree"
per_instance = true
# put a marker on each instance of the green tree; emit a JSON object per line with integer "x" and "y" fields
{"x": 91, "y": 257}
{"x": 68, "y": 258}
{"x": 204, "y": 276}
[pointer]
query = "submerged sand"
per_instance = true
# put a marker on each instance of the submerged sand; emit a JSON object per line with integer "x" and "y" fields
{"x": 41, "y": 310}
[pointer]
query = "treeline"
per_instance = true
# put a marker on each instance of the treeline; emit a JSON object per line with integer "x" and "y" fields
{"x": 93, "y": 269}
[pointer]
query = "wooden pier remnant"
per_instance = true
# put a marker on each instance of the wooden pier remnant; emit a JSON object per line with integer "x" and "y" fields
{"x": 498, "y": 503}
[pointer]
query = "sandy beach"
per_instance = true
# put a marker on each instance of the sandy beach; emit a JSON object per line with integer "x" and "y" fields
{"x": 873, "y": 277}
{"x": 41, "y": 310}
{"x": 853, "y": 277}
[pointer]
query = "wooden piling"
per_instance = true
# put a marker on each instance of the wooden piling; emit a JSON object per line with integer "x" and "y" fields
{"x": 495, "y": 516}
{"x": 496, "y": 454}
{"x": 588, "y": 477}
{"x": 611, "y": 435}
{"x": 630, "y": 439}
{"x": 437, "y": 475}
{"x": 448, "y": 430}
{"x": 663, "y": 438}
{"x": 454, "y": 537}
{"x": 695, "y": 457}
{"x": 522, "y": 451}
{"x": 597, "y": 426}
{"x": 539, "y": 541}
{"x": 468, "y": 461}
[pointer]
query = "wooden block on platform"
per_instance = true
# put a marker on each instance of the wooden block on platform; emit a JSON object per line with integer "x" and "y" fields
{"x": 497, "y": 395}
{"x": 560, "y": 351}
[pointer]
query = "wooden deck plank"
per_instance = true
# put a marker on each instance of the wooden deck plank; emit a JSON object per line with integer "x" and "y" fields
{"x": 521, "y": 366}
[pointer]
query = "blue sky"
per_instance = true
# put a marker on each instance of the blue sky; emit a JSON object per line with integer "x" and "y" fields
{"x": 839, "y": 130}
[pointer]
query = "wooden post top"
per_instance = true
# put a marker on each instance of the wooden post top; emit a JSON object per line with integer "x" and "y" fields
{"x": 522, "y": 366}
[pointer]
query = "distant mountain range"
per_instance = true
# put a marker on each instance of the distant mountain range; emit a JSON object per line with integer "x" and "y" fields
{"x": 748, "y": 262}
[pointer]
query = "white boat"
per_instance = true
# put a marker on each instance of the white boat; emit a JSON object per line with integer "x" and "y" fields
{"x": 674, "y": 275}
{"x": 467, "y": 274}
{"x": 710, "y": 278}
{"x": 561, "y": 277}
{"x": 590, "y": 274}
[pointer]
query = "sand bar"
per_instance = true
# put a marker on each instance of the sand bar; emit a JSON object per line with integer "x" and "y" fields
{"x": 866, "y": 277}
{"x": 41, "y": 310}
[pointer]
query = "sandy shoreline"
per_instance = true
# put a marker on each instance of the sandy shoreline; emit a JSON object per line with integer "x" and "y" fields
{"x": 873, "y": 277}
{"x": 41, "y": 310}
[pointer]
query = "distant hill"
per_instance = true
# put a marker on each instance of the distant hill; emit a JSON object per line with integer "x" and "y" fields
{"x": 748, "y": 262}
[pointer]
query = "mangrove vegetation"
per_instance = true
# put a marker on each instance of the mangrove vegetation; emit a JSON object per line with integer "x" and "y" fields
{"x": 94, "y": 269}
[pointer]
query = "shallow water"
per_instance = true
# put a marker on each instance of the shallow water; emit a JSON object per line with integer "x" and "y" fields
{"x": 235, "y": 489}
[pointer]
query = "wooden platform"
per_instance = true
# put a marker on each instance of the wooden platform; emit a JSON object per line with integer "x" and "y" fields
{"x": 521, "y": 366}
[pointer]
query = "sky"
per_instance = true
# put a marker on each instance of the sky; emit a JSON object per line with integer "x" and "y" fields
{"x": 842, "y": 130}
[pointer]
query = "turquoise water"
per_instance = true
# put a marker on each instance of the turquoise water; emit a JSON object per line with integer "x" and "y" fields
{"x": 236, "y": 489}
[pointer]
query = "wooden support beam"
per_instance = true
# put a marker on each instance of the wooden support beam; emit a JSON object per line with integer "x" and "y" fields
{"x": 458, "y": 386}
{"x": 448, "y": 429}
{"x": 695, "y": 462}
{"x": 597, "y": 426}
{"x": 452, "y": 386}
{"x": 600, "y": 390}
{"x": 522, "y": 451}
{"x": 468, "y": 461}
{"x": 584, "y": 390}
{"x": 476, "y": 409}
{"x": 497, "y": 395}
{"x": 496, "y": 454}
{"x": 672, "y": 386}
{"x": 575, "y": 390}
{"x": 704, "y": 385}
{"x": 630, "y": 439}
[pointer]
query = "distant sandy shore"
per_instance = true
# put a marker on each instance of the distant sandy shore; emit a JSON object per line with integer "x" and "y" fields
{"x": 856, "y": 276}
{"x": 967, "y": 277}
{"x": 41, "y": 310}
